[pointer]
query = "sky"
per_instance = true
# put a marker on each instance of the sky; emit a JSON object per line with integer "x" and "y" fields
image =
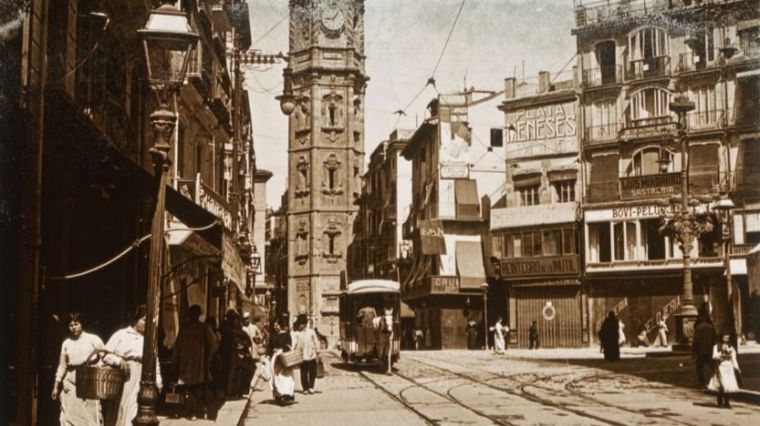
{"x": 492, "y": 40}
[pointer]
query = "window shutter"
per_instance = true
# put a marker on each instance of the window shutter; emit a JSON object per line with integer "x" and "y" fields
{"x": 703, "y": 168}
{"x": 603, "y": 185}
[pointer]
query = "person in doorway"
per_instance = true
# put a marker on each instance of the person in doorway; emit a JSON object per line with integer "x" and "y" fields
{"x": 125, "y": 349}
{"x": 609, "y": 335}
{"x": 662, "y": 333}
{"x": 498, "y": 337}
{"x": 309, "y": 343}
{"x": 533, "y": 336}
{"x": 705, "y": 338}
{"x": 191, "y": 356}
{"x": 724, "y": 379}
{"x": 75, "y": 351}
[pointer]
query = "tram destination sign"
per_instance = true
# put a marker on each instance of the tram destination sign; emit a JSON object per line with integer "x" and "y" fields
{"x": 635, "y": 187}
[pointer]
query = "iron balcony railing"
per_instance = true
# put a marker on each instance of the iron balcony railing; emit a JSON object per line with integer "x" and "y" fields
{"x": 705, "y": 120}
{"x": 601, "y": 76}
{"x": 692, "y": 61}
{"x": 595, "y": 12}
{"x": 657, "y": 66}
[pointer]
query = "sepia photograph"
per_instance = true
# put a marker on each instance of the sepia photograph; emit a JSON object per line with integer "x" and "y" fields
{"x": 380, "y": 212}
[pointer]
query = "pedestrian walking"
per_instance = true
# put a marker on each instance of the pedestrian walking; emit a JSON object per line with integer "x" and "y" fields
{"x": 309, "y": 344}
{"x": 724, "y": 379}
{"x": 428, "y": 338}
{"x": 472, "y": 335}
{"x": 75, "y": 351}
{"x": 419, "y": 339}
{"x": 705, "y": 338}
{"x": 125, "y": 349}
{"x": 191, "y": 356}
{"x": 533, "y": 335}
{"x": 609, "y": 338}
{"x": 621, "y": 333}
{"x": 498, "y": 337}
{"x": 263, "y": 370}
{"x": 662, "y": 333}
{"x": 283, "y": 384}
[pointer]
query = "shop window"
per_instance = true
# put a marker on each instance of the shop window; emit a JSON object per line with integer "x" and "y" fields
{"x": 551, "y": 243}
{"x": 497, "y": 244}
{"x": 654, "y": 242}
{"x": 599, "y": 242}
{"x": 624, "y": 234}
{"x": 564, "y": 190}
{"x": 568, "y": 242}
{"x": 529, "y": 195}
{"x": 513, "y": 245}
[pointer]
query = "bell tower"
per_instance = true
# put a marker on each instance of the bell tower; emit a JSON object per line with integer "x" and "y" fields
{"x": 325, "y": 152}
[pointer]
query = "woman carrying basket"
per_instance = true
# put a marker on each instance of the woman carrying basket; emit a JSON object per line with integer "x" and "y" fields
{"x": 75, "y": 351}
{"x": 283, "y": 384}
{"x": 125, "y": 350}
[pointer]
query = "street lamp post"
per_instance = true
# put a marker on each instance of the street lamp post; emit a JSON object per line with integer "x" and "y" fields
{"x": 684, "y": 225}
{"x": 723, "y": 207}
{"x": 167, "y": 39}
{"x": 484, "y": 288}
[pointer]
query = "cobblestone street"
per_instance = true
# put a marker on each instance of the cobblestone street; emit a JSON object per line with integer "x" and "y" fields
{"x": 473, "y": 387}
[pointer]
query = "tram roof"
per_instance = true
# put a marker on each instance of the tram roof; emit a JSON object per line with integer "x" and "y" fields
{"x": 373, "y": 286}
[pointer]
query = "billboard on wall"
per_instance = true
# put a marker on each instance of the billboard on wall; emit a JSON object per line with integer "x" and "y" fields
{"x": 454, "y": 152}
{"x": 542, "y": 130}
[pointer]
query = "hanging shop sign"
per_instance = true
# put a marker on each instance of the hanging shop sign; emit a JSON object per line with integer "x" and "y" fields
{"x": 444, "y": 285}
{"x": 549, "y": 312}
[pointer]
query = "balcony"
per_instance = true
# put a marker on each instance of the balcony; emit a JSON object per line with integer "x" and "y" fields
{"x": 691, "y": 61}
{"x": 705, "y": 120}
{"x": 601, "y": 134}
{"x": 602, "y": 76}
{"x": 658, "y": 66}
{"x": 597, "y": 12}
{"x": 651, "y": 126}
{"x": 741, "y": 249}
{"x": 634, "y": 266}
{"x": 542, "y": 214}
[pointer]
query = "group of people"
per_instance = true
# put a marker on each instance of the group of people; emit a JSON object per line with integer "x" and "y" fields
{"x": 715, "y": 359}
{"x": 206, "y": 361}
{"x": 123, "y": 350}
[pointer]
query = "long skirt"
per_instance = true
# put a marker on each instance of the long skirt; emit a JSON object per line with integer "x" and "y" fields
{"x": 498, "y": 342}
{"x": 724, "y": 378}
{"x": 76, "y": 411}
{"x": 126, "y": 410}
{"x": 282, "y": 382}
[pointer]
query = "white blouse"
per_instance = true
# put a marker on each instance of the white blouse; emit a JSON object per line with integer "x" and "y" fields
{"x": 127, "y": 344}
{"x": 75, "y": 352}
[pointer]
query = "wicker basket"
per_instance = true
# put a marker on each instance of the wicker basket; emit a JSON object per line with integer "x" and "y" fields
{"x": 99, "y": 382}
{"x": 290, "y": 359}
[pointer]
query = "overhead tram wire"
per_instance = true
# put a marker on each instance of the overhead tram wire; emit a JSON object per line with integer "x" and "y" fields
{"x": 431, "y": 80}
{"x": 272, "y": 28}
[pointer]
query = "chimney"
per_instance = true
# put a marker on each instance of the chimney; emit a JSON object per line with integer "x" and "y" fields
{"x": 543, "y": 81}
{"x": 510, "y": 87}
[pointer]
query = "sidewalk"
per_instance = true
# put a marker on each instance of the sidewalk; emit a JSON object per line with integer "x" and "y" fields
{"x": 229, "y": 415}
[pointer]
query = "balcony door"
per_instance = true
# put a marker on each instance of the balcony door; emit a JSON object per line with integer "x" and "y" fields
{"x": 605, "y": 56}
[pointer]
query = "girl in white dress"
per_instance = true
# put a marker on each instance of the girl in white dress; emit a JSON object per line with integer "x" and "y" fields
{"x": 724, "y": 380}
{"x": 498, "y": 337}
{"x": 125, "y": 349}
{"x": 75, "y": 351}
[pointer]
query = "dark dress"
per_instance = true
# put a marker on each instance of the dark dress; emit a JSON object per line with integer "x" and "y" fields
{"x": 608, "y": 336}
{"x": 236, "y": 361}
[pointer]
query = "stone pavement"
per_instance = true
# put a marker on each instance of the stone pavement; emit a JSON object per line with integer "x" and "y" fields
{"x": 564, "y": 387}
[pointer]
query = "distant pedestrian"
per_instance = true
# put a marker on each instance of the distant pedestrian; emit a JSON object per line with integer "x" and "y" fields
{"x": 533, "y": 335}
{"x": 641, "y": 338}
{"x": 609, "y": 338}
{"x": 191, "y": 356}
{"x": 428, "y": 338}
{"x": 309, "y": 343}
{"x": 254, "y": 333}
{"x": 419, "y": 339}
{"x": 621, "y": 333}
{"x": 472, "y": 335}
{"x": 662, "y": 333}
{"x": 498, "y": 337}
{"x": 724, "y": 379}
{"x": 75, "y": 351}
{"x": 705, "y": 338}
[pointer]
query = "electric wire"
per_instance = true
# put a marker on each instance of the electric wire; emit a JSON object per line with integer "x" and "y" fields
{"x": 272, "y": 28}
{"x": 448, "y": 38}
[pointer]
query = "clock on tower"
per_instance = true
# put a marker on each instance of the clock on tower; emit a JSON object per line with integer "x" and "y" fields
{"x": 325, "y": 151}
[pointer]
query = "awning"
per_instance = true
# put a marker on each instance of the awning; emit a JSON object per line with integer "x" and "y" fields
{"x": 556, "y": 175}
{"x": 466, "y": 196}
{"x": 738, "y": 267}
{"x": 406, "y": 311}
{"x": 233, "y": 267}
{"x": 526, "y": 178}
{"x": 470, "y": 264}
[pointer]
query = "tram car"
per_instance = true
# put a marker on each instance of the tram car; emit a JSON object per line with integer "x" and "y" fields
{"x": 370, "y": 322}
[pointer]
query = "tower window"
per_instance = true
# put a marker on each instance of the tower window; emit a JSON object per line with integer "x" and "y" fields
{"x": 332, "y": 110}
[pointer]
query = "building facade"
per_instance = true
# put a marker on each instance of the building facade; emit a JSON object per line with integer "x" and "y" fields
{"x": 535, "y": 226}
{"x": 325, "y": 152}
{"x": 634, "y": 57}
{"x": 445, "y": 224}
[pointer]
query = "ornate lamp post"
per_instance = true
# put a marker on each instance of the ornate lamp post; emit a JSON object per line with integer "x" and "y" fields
{"x": 287, "y": 99}
{"x": 255, "y": 270}
{"x": 167, "y": 39}
{"x": 723, "y": 207}
{"x": 484, "y": 288}
{"x": 684, "y": 225}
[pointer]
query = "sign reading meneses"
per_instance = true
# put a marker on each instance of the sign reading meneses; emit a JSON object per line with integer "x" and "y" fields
{"x": 553, "y": 125}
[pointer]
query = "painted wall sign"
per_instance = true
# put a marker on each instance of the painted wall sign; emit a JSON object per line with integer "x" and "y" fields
{"x": 540, "y": 266}
{"x": 642, "y": 211}
{"x": 446, "y": 285}
{"x": 652, "y": 185}
{"x": 455, "y": 171}
{"x": 543, "y": 130}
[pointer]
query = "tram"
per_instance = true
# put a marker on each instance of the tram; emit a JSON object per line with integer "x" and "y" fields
{"x": 370, "y": 322}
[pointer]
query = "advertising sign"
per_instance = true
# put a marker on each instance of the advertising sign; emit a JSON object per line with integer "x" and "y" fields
{"x": 635, "y": 187}
{"x": 539, "y": 266}
{"x": 431, "y": 237}
{"x": 543, "y": 130}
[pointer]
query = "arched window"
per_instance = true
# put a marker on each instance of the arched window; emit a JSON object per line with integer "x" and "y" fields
{"x": 648, "y": 107}
{"x": 649, "y": 50}
{"x": 652, "y": 161}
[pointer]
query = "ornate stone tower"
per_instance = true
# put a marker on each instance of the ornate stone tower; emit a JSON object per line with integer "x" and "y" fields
{"x": 325, "y": 152}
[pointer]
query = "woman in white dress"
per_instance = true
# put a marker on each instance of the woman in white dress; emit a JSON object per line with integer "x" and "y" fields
{"x": 498, "y": 337}
{"x": 125, "y": 349}
{"x": 724, "y": 380}
{"x": 75, "y": 351}
{"x": 283, "y": 383}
